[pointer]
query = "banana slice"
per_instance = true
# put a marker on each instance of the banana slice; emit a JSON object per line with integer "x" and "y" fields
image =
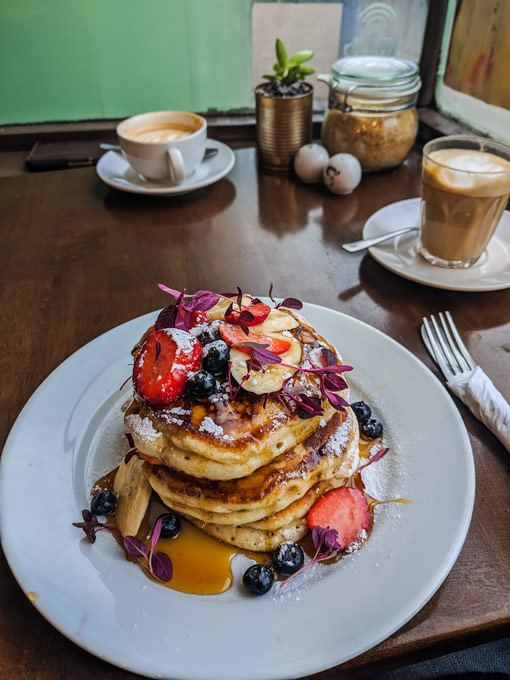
{"x": 271, "y": 380}
{"x": 133, "y": 491}
{"x": 277, "y": 321}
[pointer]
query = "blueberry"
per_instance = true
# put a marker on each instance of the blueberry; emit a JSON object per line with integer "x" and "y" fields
{"x": 215, "y": 358}
{"x": 258, "y": 579}
{"x": 103, "y": 503}
{"x": 210, "y": 334}
{"x": 170, "y": 525}
{"x": 362, "y": 411}
{"x": 201, "y": 384}
{"x": 304, "y": 413}
{"x": 288, "y": 558}
{"x": 371, "y": 429}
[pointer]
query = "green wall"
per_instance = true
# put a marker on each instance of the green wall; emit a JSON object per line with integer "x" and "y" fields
{"x": 83, "y": 59}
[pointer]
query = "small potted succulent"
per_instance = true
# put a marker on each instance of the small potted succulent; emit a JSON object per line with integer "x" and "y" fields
{"x": 284, "y": 109}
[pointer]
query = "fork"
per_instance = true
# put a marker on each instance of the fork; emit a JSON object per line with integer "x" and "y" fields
{"x": 464, "y": 377}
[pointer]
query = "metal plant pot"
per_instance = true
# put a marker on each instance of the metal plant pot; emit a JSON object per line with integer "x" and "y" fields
{"x": 284, "y": 124}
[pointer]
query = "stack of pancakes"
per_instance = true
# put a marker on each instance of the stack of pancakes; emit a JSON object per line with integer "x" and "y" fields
{"x": 245, "y": 470}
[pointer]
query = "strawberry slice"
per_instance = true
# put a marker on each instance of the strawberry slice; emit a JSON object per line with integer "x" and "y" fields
{"x": 149, "y": 459}
{"x": 259, "y": 310}
{"x": 234, "y": 335}
{"x": 344, "y": 509}
{"x": 163, "y": 363}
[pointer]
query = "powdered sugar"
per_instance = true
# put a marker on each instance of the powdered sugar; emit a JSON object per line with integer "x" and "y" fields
{"x": 336, "y": 444}
{"x": 356, "y": 545}
{"x": 184, "y": 341}
{"x": 179, "y": 411}
{"x": 208, "y": 425}
{"x": 142, "y": 427}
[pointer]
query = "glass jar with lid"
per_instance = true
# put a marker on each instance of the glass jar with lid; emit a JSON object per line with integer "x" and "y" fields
{"x": 372, "y": 109}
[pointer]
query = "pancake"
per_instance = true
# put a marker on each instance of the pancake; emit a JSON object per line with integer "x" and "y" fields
{"x": 330, "y": 452}
{"x": 245, "y": 464}
{"x": 219, "y": 438}
{"x": 257, "y": 540}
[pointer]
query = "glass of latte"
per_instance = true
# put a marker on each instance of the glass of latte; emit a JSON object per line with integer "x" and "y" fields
{"x": 465, "y": 188}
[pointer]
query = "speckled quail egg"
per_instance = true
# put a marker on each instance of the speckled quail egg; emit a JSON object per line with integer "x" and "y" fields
{"x": 310, "y": 161}
{"x": 342, "y": 173}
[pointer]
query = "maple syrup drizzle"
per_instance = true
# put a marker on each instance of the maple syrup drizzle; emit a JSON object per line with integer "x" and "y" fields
{"x": 201, "y": 563}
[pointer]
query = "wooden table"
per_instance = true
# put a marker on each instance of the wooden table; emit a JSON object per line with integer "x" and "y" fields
{"x": 78, "y": 258}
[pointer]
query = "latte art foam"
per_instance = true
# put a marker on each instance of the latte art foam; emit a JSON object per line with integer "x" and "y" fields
{"x": 159, "y": 132}
{"x": 477, "y": 172}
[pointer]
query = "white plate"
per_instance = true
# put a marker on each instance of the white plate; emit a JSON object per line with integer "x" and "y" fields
{"x": 70, "y": 432}
{"x": 115, "y": 171}
{"x": 400, "y": 255}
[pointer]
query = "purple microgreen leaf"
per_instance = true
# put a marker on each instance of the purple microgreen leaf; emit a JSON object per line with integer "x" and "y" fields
{"x": 229, "y": 310}
{"x": 156, "y": 533}
{"x": 290, "y": 303}
{"x": 334, "y": 382}
{"x": 158, "y": 349}
{"x": 249, "y": 366}
{"x": 325, "y": 541}
{"x": 184, "y": 320}
{"x": 166, "y": 318}
{"x": 161, "y": 567}
{"x": 259, "y": 352}
{"x": 249, "y": 343}
{"x": 239, "y": 298}
{"x": 135, "y": 547}
{"x": 336, "y": 401}
{"x": 202, "y": 301}
{"x": 168, "y": 290}
{"x": 318, "y": 537}
{"x": 329, "y": 357}
{"x": 256, "y": 301}
{"x": 270, "y": 294}
{"x": 339, "y": 368}
{"x": 130, "y": 439}
{"x": 265, "y": 356}
{"x": 229, "y": 374}
{"x": 331, "y": 540}
{"x": 244, "y": 327}
{"x": 128, "y": 456}
{"x": 91, "y": 525}
{"x": 246, "y": 316}
{"x": 311, "y": 404}
{"x": 380, "y": 454}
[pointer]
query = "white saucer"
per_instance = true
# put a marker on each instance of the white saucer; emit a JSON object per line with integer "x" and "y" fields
{"x": 115, "y": 171}
{"x": 491, "y": 272}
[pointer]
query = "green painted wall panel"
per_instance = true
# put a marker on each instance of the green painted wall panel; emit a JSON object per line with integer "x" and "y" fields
{"x": 82, "y": 59}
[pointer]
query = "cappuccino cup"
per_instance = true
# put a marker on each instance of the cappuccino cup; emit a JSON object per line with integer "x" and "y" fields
{"x": 465, "y": 188}
{"x": 163, "y": 146}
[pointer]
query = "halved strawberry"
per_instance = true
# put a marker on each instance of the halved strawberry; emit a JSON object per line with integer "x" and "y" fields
{"x": 344, "y": 509}
{"x": 163, "y": 363}
{"x": 259, "y": 310}
{"x": 234, "y": 335}
{"x": 197, "y": 318}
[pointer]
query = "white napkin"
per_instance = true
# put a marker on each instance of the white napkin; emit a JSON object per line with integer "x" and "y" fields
{"x": 486, "y": 403}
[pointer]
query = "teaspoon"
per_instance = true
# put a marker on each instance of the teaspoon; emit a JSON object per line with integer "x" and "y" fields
{"x": 354, "y": 246}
